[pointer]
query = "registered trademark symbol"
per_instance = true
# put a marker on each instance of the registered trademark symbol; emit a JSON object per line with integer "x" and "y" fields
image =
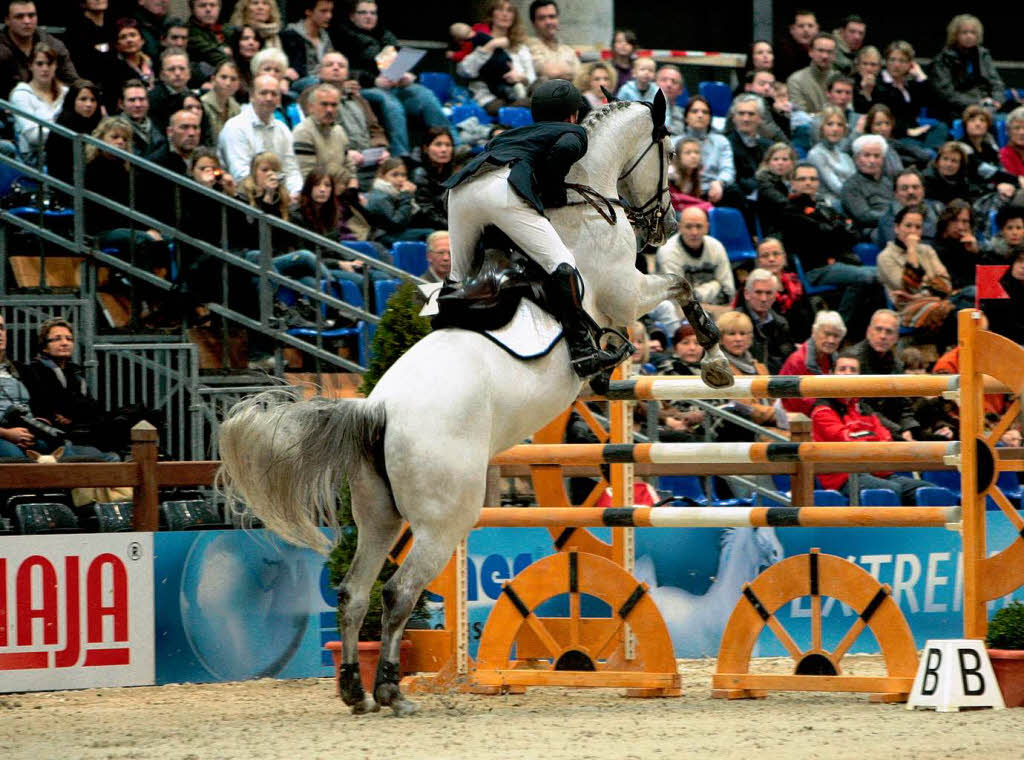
{"x": 135, "y": 550}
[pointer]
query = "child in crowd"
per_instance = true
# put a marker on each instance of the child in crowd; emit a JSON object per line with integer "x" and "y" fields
{"x": 684, "y": 180}
{"x": 624, "y": 44}
{"x": 390, "y": 204}
{"x": 498, "y": 65}
{"x": 642, "y": 86}
{"x": 914, "y": 361}
{"x": 592, "y": 78}
{"x": 1009, "y": 243}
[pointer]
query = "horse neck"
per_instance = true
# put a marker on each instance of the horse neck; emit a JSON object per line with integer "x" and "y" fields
{"x": 738, "y": 561}
{"x": 613, "y": 143}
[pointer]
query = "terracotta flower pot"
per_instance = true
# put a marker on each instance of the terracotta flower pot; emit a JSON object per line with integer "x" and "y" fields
{"x": 369, "y": 653}
{"x": 1008, "y": 665}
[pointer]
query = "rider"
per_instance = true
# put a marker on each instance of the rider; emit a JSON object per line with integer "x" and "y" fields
{"x": 532, "y": 161}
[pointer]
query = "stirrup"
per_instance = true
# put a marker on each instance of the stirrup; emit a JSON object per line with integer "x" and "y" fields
{"x": 602, "y": 360}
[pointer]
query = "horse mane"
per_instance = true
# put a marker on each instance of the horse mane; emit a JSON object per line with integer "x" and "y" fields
{"x": 594, "y": 120}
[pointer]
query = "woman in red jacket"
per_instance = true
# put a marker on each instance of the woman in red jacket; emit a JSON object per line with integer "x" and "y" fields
{"x": 848, "y": 419}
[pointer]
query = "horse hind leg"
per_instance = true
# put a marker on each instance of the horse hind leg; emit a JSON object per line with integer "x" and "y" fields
{"x": 378, "y": 525}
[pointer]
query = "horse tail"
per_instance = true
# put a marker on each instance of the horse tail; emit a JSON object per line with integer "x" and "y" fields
{"x": 283, "y": 459}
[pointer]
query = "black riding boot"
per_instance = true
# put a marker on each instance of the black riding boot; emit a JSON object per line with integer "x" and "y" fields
{"x": 564, "y": 297}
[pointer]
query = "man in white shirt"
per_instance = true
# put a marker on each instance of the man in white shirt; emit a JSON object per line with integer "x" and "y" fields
{"x": 254, "y": 131}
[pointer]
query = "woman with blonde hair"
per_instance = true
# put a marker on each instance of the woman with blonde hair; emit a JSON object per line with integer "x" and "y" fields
{"x": 263, "y": 16}
{"x": 963, "y": 72}
{"x": 829, "y": 155}
{"x": 773, "y": 176}
{"x": 737, "y": 337}
{"x": 592, "y": 78}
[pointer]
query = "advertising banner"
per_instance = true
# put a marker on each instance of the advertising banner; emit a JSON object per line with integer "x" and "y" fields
{"x": 76, "y": 611}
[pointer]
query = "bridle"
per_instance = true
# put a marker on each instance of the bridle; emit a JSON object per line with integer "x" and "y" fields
{"x": 648, "y": 216}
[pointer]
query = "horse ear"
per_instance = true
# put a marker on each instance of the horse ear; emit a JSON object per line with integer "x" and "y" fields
{"x": 608, "y": 96}
{"x": 660, "y": 106}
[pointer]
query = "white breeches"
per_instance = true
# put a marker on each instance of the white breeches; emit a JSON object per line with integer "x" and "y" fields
{"x": 488, "y": 198}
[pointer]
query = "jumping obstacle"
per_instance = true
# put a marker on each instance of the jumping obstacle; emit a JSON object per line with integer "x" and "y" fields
{"x": 630, "y": 648}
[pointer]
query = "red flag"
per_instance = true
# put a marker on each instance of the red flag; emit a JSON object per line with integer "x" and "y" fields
{"x": 987, "y": 279}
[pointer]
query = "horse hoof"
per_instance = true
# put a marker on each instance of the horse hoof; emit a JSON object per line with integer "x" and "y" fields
{"x": 367, "y": 705}
{"x": 716, "y": 374}
{"x": 403, "y": 707}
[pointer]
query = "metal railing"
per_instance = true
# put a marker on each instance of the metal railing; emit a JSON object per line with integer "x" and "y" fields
{"x": 79, "y": 242}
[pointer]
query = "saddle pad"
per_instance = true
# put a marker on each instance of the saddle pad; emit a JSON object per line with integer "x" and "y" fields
{"x": 531, "y": 333}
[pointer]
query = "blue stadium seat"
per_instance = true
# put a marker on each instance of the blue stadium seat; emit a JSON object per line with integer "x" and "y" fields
{"x": 515, "y": 116}
{"x": 867, "y": 252}
{"x": 1009, "y": 484}
{"x": 349, "y": 293}
{"x": 809, "y": 289}
{"x": 719, "y": 97}
{"x": 410, "y": 256}
{"x": 382, "y": 291}
{"x": 688, "y": 486}
{"x": 880, "y": 497}
{"x": 467, "y": 110}
{"x": 949, "y": 479}
{"x": 438, "y": 82}
{"x": 683, "y": 99}
{"x": 1001, "y": 132}
{"x": 957, "y": 133}
{"x": 728, "y": 228}
{"x": 826, "y": 497}
{"x": 365, "y": 247}
{"x": 935, "y": 496}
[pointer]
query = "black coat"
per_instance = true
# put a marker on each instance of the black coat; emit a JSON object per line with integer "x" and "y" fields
{"x": 430, "y": 192}
{"x": 816, "y": 233}
{"x": 540, "y": 154}
{"x": 50, "y": 397}
{"x": 772, "y": 340}
{"x": 1006, "y": 316}
{"x": 746, "y": 159}
{"x": 360, "y": 47}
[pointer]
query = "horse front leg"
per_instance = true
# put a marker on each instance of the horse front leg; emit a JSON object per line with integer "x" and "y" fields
{"x": 655, "y": 288}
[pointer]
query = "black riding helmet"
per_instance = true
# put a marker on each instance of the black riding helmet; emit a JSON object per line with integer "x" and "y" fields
{"x": 555, "y": 100}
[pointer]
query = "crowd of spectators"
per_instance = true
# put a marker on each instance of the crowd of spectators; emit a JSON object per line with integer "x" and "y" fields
{"x": 832, "y": 147}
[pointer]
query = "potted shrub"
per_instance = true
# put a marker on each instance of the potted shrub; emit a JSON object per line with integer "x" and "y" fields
{"x": 1005, "y": 643}
{"x": 400, "y": 327}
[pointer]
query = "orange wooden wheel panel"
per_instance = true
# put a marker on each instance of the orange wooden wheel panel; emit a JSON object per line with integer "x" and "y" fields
{"x": 576, "y": 643}
{"x": 817, "y": 575}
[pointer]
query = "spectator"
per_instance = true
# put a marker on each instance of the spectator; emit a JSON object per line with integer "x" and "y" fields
{"x": 698, "y": 257}
{"x": 790, "y": 300}
{"x": 390, "y": 204}
{"x": 150, "y": 16}
{"x": 80, "y": 113}
{"x": 255, "y": 131}
{"x": 89, "y": 37}
{"x": 823, "y": 240}
{"x": 838, "y": 94}
{"x": 906, "y": 91}
{"x": 219, "y": 104}
{"x": 772, "y": 341}
{"x": 245, "y": 44}
{"x": 1012, "y": 154}
{"x": 1006, "y": 315}
{"x": 718, "y": 173}
{"x": 684, "y": 186}
{"x": 15, "y": 438}
{"x": 670, "y": 81}
{"x": 206, "y": 41}
{"x": 877, "y": 356}
{"x": 642, "y": 86}
{"x": 878, "y": 121}
{"x": 306, "y": 41}
{"x": 147, "y": 138}
{"x": 1010, "y": 240}
{"x": 686, "y": 354}
{"x": 42, "y": 96}
{"x": 947, "y": 178}
{"x": 835, "y": 166}
{"x": 793, "y": 52}
{"x": 275, "y": 63}
{"x": 849, "y": 41}
{"x": 983, "y": 164}
{"x": 867, "y": 194}
{"x": 760, "y": 57}
{"x": 320, "y": 141}
{"x": 174, "y": 76}
{"x": 748, "y": 147}
{"x": 773, "y": 178}
{"x": 737, "y": 337}
{"x": 909, "y": 191}
{"x": 867, "y": 82}
{"x": 963, "y": 73}
{"x": 624, "y": 45}
{"x": 594, "y": 76}
{"x": 18, "y": 43}
{"x": 775, "y": 123}
{"x": 501, "y": 68}
{"x": 439, "y": 257}
{"x": 941, "y": 409}
{"x": 263, "y": 17}
{"x": 916, "y": 281}
{"x": 437, "y": 161}
{"x": 958, "y": 249}
{"x": 545, "y": 47}
{"x": 174, "y": 35}
{"x": 59, "y": 393}
{"x": 808, "y": 86}
{"x": 129, "y": 62}
{"x": 175, "y": 156}
{"x": 849, "y": 419}
{"x": 108, "y": 176}
{"x": 816, "y": 356}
